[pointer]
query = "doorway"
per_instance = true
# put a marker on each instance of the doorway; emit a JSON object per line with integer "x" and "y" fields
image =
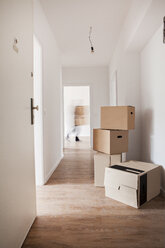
{"x": 77, "y": 117}
{"x": 38, "y": 116}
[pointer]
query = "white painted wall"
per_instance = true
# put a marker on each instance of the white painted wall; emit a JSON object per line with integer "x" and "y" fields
{"x": 128, "y": 68}
{"x": 140, "y": 78}
{"x": 17, "y": 175}
{"x": 74, "y": 96}
{"x": 97, "y": 79}
{"x": 126, "y": 64}
{"x": 52, "y": 92}
{"x": 152, "y": 99}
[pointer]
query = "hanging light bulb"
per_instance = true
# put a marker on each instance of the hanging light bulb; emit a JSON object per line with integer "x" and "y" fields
{"x": 90, "y": 33}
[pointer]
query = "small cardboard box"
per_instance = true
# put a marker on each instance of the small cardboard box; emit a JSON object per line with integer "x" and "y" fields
{"x": 118, "y": 117}
{"x": 110, "y": 141}
{"x": 81, "y": 115}
{"x": 81, "y": 110}
{"x": 132, "y": 182}
{"x": 101, "y": 161}
{"x": 81, "y": 120}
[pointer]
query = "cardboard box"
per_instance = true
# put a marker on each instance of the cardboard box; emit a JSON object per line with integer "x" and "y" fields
{"x": 81, "y": 110}
{"x": 101, "y": 161}
{"x": 118, "y": 117}
{"x": 133, "y": 182}
{"x": 81, "y": 120}
{"x": 110, "y": 141}
{"x": 81, "y": 115}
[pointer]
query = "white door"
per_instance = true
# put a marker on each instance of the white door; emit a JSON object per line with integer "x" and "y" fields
{"x": 38, "y": 119}
{"x": 17, "y": 175}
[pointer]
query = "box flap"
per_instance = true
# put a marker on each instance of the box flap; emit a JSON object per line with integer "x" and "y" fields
{"x": 140, "y": 165}
{"x": 153, "y": 183}
{"x": 115, "y": 177}
{"x": 127, "y": 169}
{"x": 124, "y": 194}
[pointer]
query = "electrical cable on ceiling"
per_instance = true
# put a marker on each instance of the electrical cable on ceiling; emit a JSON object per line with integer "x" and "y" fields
{"x": 164, "y": 29}
{"x": 90, "y": 33}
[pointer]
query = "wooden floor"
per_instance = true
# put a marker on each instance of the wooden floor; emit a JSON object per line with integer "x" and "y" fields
{"x": 72, "y": 212}
{"x": 72, "y": 144}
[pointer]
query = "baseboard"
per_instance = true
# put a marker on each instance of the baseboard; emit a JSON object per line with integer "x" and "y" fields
{"x": 53, "y": 168}
{"x": 162, "y": 192}
{"x": 30, "y": 225}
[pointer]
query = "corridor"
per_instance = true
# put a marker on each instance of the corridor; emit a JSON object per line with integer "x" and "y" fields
{"x": 72, "y": 212}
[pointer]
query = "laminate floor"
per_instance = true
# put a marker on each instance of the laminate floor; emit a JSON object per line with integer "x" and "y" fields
{"x": 84, "y": 143}
{"x": 73, "y": 213}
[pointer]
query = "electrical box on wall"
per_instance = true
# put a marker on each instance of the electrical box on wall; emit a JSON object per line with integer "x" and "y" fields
{"x": 15, "y": 46}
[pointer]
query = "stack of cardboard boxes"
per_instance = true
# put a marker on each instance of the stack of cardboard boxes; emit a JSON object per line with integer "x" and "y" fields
{"x": 132, "y": 182}
{"x": 81, "y": 115}
{"x": 111, "y": 140}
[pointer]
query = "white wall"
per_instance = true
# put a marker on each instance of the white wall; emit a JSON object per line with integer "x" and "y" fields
{"x": 140, "y": 78}
{"x": 127, "y": 65}
{"x": 97, "y": 79}
{"x": 52, "y": 91}
{"x": 74, "y": 96}
{"x": 153, "y": 101}
{"x": 128, "y": 68}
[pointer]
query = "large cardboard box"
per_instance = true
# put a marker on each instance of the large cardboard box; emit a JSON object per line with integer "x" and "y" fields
{"x": 110, "y": 141}
{"x": 118, "y": 117}
{"x": 133, "y": 182}
{"x": 101, "y": 161}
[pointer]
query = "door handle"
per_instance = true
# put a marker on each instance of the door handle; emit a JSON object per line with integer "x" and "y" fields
{"x": 37, "y": 108}
{"x": 32, "y": 109}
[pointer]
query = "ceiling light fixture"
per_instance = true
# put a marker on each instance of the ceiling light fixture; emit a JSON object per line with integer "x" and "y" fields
{"x": 164, "y": 30}
{"x": 90, "y": 33}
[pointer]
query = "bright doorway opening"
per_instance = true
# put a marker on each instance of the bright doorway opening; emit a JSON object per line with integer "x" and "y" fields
{"x": 77, "y": 117}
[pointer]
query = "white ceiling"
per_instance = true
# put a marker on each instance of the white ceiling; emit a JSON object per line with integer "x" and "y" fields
{"x": 70, "y": 21}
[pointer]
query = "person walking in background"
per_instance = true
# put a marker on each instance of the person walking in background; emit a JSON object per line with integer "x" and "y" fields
{"x": 75, "y": 130}
{"x": 80, "y": 118}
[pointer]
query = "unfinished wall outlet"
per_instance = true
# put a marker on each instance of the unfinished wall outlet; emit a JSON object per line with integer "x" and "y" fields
{"x": 15, "y": 47}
